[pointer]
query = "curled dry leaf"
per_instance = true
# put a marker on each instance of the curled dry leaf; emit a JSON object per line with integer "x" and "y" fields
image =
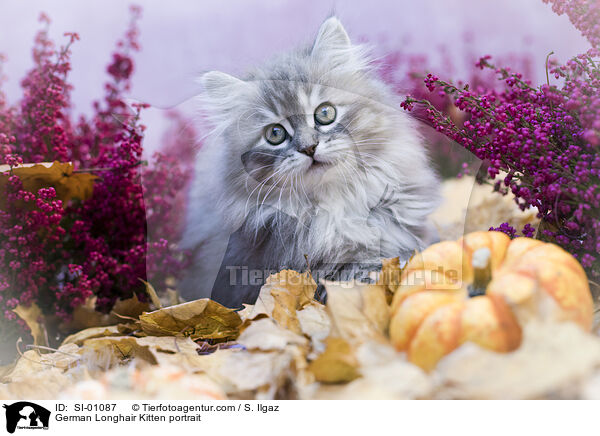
{"x": 32, "y": 315}
{"x": 86, "y": 316}
{"x": 200, "y": 319}
{"x": 152, "y": 294}
{"x": 337, "y": 364}
{"x": 316, "y": 325}
{"x": 98, "y": 332}
{"x": 284, "y": 309}
{"x": 300, "y": 285}
{"x": 246, "y": 312}
{"x": 33, "y": 362}
{"x": 358, "y": 311}
{"x": 103, "y": 353}
{"x": 266, "y": 335}
{"x": 60, "y": 176}
{"x": 175, "y": 351}
{"x": 390, "y": 276}
{"x": 282, "y": 294}
{"x": 172, "y": 298}
{"x": 43, "y": 376}
{"x": 130, "y": 307}
{"x": 169, "y": 344}
{"x": 259, "y": 374}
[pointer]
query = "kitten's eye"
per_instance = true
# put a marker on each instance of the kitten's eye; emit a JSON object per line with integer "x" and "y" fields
{"x": 325, "y": 114}
{"x": 275, "y": 134}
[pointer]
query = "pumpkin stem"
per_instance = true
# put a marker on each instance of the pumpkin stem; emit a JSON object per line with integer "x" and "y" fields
{"x": 482, "y": 272}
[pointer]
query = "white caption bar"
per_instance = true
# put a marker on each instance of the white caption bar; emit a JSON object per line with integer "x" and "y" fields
{"x": 88, "y": 418}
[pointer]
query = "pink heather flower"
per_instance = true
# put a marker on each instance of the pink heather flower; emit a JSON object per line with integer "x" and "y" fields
{"x": 584, "y": 14}
{"x": 528, "y": 231}
{"x": 404, "y": 71}
{"x": 58, "y": 255}
{"x": 546, "y": 138}
{"x": 505, "y": 228}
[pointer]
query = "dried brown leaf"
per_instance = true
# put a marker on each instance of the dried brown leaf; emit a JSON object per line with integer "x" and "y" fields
{"x": 200, "y": 319}
{"x": 266, "y": 335}
{"x": 316, "y": 325}
{"x": 337, "y": 364}
{"x": 358, "y": 311}
{"x": 152, "y": 294}
{"x": 281, "y": 296}
{"x": 130, "y": 307}
{"x": 97, "y": 332}
{"x": 300, "y": 285}
{"x": 32, "y": 315}
{"x": 284, "y": 310}
{"x": 106, "y": 352}
{"x": 42, "y": 376}
{"x": 86, "y": 315}
{"x": 243, "y": 371}
{"x": 60, "y": 176}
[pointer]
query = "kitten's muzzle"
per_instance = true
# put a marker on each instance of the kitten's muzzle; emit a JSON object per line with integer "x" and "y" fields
{"x": 309, "y": 150}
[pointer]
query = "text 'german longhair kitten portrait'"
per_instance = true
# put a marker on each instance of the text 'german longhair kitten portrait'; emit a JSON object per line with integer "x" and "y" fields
{"x": 310, "y": 161}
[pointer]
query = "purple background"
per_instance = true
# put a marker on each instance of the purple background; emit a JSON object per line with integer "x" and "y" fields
{"x": 181, "y": 39}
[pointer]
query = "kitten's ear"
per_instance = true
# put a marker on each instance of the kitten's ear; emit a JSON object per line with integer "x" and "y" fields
{"x": 332, "y": 46}
{"x": 221, "y": 93}
{"x": 331, "y": 37}
{"x": 218, "y": 85}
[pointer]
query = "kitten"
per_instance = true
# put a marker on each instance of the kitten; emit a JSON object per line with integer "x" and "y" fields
{"x": 310, "y": 162}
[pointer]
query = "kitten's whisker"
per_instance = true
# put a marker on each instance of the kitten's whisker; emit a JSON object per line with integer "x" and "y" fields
{"x": 295, "y": 190}
{"x": 266, "y": 154}
{"x": 364, "y": 157}
{"x": 364, "y": 164}
{"x": 260, "y": 168}
{"x": 260, "y": 185}
{"x": 304, "y": 190}
{"x": 382, "y": 141}
{"x": 280, "y": 193}
{"x": 269, "y": 191}
{"x": 351, "y": 122}
{"x": 375, "y": 158}
{"x": 353, "y": 170}
{"x": 342, "y": 172}
{"x": 279, "y": 209}
{"x": 237, "y": 123}
{"x": 250, "y": 172}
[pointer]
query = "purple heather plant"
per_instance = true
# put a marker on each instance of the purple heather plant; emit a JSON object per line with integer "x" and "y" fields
{"x": 405, "y": 73}
{"x": 59, "y": 255}
{"x": 544, "y": 139}
{"x": 527, "y": 231}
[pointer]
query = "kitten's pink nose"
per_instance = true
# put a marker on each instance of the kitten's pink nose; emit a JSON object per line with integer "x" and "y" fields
{"x": 309, "y": 150}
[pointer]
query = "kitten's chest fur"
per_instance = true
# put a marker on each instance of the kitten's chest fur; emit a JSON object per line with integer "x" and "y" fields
{"x": 343, "y": 225}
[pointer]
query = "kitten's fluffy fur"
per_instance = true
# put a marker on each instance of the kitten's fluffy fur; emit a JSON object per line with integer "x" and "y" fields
{"x": 367, "y": 197}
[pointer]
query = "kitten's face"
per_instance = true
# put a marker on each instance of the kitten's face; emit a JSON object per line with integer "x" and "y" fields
{"x": 309, "y": 119}
{"x": 313, "y": 134}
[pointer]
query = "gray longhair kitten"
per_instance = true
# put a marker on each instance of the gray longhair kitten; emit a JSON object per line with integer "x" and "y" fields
{"x": 310, "y": 162}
